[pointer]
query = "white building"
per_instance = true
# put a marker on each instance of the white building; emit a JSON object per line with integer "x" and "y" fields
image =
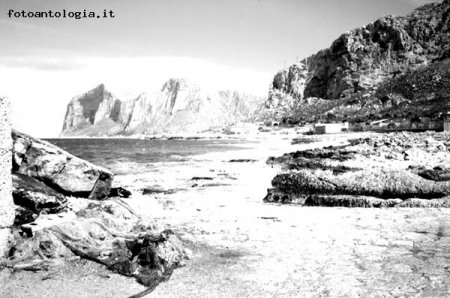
{"x": 325, "y": 128}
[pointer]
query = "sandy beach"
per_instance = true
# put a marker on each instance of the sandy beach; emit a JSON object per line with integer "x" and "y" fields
{"x": 242, "y": 247}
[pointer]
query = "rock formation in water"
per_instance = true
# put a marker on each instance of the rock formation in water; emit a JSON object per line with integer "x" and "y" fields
{"x": 178, "y": 107}
{"x": 367, "y": 69}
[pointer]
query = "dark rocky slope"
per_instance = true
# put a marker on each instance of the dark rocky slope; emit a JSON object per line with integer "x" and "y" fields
{"x": 367, "y": 70}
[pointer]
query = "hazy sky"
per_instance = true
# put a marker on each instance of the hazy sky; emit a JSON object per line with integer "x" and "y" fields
{"x": 219, "y": 44}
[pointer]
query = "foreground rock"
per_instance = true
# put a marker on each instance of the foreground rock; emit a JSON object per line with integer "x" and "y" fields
{"x": 393, "y": 170}
{"x": 62, "y": 212}
{"x": 34, "y": 197}
{"x": 109, "y": 233}
{"x": 58, "y": 169}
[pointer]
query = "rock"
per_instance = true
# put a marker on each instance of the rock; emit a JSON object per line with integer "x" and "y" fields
{"x": 202, "y": 178}
{"x": 24, "y": 215}
{"x": 210, "y": 184}
{"x": 120, "y": 192}
{"x": 36, "y": 197}
{"x": 179, "y": 107}
{"x": 296, "y": 141}
{"x": 46, "y": 221}
{"x": 242, "y": 160}
{"x": 435, "y": 175}
{"x": 316, "y": 188}
{"x": 388, "y": 67}
{"x": 58, "y": 169}
{"x": 364, "y": 174}
{"x": 215, "y": 184}
{"x": 107, "y": 232}
{"x": 380, "y": 183}
{"x": 150, "y": 258}
{"x": 150, "y": 191}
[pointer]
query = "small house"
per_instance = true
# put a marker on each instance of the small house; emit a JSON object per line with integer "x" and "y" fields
{"x": 326, "y": 128}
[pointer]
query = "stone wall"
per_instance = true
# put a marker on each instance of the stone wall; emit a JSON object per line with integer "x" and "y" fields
{"x": 6, "y": 201}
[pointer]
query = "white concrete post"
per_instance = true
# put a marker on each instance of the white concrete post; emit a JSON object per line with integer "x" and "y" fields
{"x": 6, "y": 201}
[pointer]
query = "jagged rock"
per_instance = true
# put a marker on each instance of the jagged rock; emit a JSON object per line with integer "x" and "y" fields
{"x": 24, "y": 215}
{"x": 179, "y": 107}
{"x": 36, "y": 197}
{"x": 435, "y": 175}
{"x": 149, "y": 258}
{"x": 380, "y": 70}
{"x": 120, "y": 192}
{"x": 91, "y": 108}
{"x": 150, "y": 191}
{"x": 58, "y": 169}
{"x": 107, "y": 232}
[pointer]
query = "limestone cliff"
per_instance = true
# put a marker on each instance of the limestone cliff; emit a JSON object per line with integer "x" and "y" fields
{"x": 178, "y": 107}
{"x": 359, "y": 61}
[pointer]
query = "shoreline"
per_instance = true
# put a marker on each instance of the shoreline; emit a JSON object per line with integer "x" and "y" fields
{"x": 243, "y": 247}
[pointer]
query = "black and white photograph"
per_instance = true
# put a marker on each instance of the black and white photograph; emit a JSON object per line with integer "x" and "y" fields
{"x": 224, "y": 148}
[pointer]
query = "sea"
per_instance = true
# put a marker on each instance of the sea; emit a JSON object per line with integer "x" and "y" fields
{"x": 133, "y": 156}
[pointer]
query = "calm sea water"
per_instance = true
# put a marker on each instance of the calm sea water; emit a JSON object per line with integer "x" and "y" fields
{"x": 132, "y": 155}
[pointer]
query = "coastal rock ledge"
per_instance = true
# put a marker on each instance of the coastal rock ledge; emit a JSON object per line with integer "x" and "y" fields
{"x": 58, "y": 169}
{"x": 392, "y": 170}
{"x": 66, "y": 210}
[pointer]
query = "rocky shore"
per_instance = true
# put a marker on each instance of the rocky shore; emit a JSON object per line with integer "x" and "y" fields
{"x": 66, "y": 208}
{"x": 383, "y": 170}
{"x": 242, "y": 247}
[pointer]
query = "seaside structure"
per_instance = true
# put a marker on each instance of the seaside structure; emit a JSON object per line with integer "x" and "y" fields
{"x": 326, "y": 128}
{"x": 380, "y": 123}
{"x": 7, "y": 212}
{"x": 447, "y": 122}
{"x": 272, "y": 123}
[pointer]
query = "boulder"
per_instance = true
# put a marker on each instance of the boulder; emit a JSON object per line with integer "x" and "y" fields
{"x": 59, "y": 169}
{"x": 107, "y": 232}
{"x": 34, "y": 197}
{"x": 120, "y": 192}
{"x": 385, "y": 184}
{"x": 24, "y": 215}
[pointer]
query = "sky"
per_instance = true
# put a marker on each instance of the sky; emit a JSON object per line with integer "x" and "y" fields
{"x": 217, "y": 44}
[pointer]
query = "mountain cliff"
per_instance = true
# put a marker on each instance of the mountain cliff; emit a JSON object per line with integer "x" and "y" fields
{"x": 363, "y": 70}
{"x": 178, "y": 107}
